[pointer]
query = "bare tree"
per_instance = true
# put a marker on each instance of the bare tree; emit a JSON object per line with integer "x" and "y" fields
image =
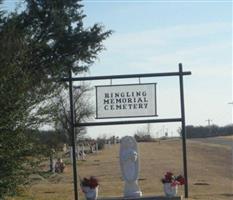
{"x": 83, "y": 110}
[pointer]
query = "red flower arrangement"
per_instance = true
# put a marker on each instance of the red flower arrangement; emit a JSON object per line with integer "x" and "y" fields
{"x": 92, "y": 182}
{"x": 174, "y": 180}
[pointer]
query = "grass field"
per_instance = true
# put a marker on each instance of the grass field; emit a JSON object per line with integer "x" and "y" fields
{"x": 209, "y": 171}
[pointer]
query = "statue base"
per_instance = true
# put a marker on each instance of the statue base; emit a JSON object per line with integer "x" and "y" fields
{"x": 143, "y": 198}
{"x": 132, "y": 190}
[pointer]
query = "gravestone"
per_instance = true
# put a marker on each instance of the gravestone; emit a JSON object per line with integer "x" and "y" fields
{"x": 78, "y": 152}
{"x": 64, "y": 148}
{"x": 83, "y": 155}
{"x": 71, "y": 154}
{"x": 109, "y": 144}
{"x": 129, "y": 163}
{"x": 96, "y": 147}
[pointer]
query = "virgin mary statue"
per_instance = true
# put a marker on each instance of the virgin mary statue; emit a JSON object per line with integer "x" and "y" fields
{"x": 129, "y": 163}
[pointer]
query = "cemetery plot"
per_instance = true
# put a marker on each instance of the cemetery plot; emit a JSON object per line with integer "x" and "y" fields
{"x": 209, "y": 172}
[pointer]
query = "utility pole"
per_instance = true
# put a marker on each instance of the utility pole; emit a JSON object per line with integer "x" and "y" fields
{"x": 209, "y": 120}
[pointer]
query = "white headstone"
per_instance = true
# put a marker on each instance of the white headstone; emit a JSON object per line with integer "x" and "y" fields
{"x": 71, "y": 154}
{"x": 54, "y": 163}
{"x": 83, "y": 155}
{"x": 129, "y": 163}
{"x": 78, "y": 152}
{"x": 96, "y": 147}
{"x": 64, "y": 148}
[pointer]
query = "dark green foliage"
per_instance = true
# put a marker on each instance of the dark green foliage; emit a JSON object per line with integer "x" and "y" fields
{"x": 208, "y": 131}
{"x": 37, "y": 47}
{"x": 12, "y": 143}
{"x": 57, "y": 38}
{"x": 143, "y": 138}
{"x": 51, "y": 139}
{"x": 101, "y": 143}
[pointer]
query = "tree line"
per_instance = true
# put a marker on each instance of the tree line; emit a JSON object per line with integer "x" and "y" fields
{"x": 208, "y": 131}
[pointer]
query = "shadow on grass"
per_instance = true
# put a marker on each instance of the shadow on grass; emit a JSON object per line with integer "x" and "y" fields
{"x": 201, "y": 184}
{"x": 45, "y": 174}
{"x": 49, "y": 192}
{"x": 227, "y": 195}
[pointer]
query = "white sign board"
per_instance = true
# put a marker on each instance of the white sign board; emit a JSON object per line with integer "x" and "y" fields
{"x": 136, "y": 100}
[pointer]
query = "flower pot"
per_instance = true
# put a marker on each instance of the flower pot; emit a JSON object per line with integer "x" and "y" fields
{"x": 90, "y": 193}
{"x": 170, "y": 190}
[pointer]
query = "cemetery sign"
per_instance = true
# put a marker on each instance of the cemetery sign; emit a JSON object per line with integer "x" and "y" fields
{"x": 138, "y": 100}
{"x": 131, "y": 100}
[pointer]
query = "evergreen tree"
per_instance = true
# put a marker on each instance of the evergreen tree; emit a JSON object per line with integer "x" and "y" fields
{"x": 38, "y": 46}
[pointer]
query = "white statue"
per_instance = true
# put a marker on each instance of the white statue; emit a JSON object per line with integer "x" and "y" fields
{"x": 130, "y": 166}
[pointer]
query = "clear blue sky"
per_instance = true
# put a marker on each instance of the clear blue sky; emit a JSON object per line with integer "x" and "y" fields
{"x": 154, "y": 36}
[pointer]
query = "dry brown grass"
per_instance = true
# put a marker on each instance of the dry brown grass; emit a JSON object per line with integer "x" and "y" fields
{"x": 209, "y": 170}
